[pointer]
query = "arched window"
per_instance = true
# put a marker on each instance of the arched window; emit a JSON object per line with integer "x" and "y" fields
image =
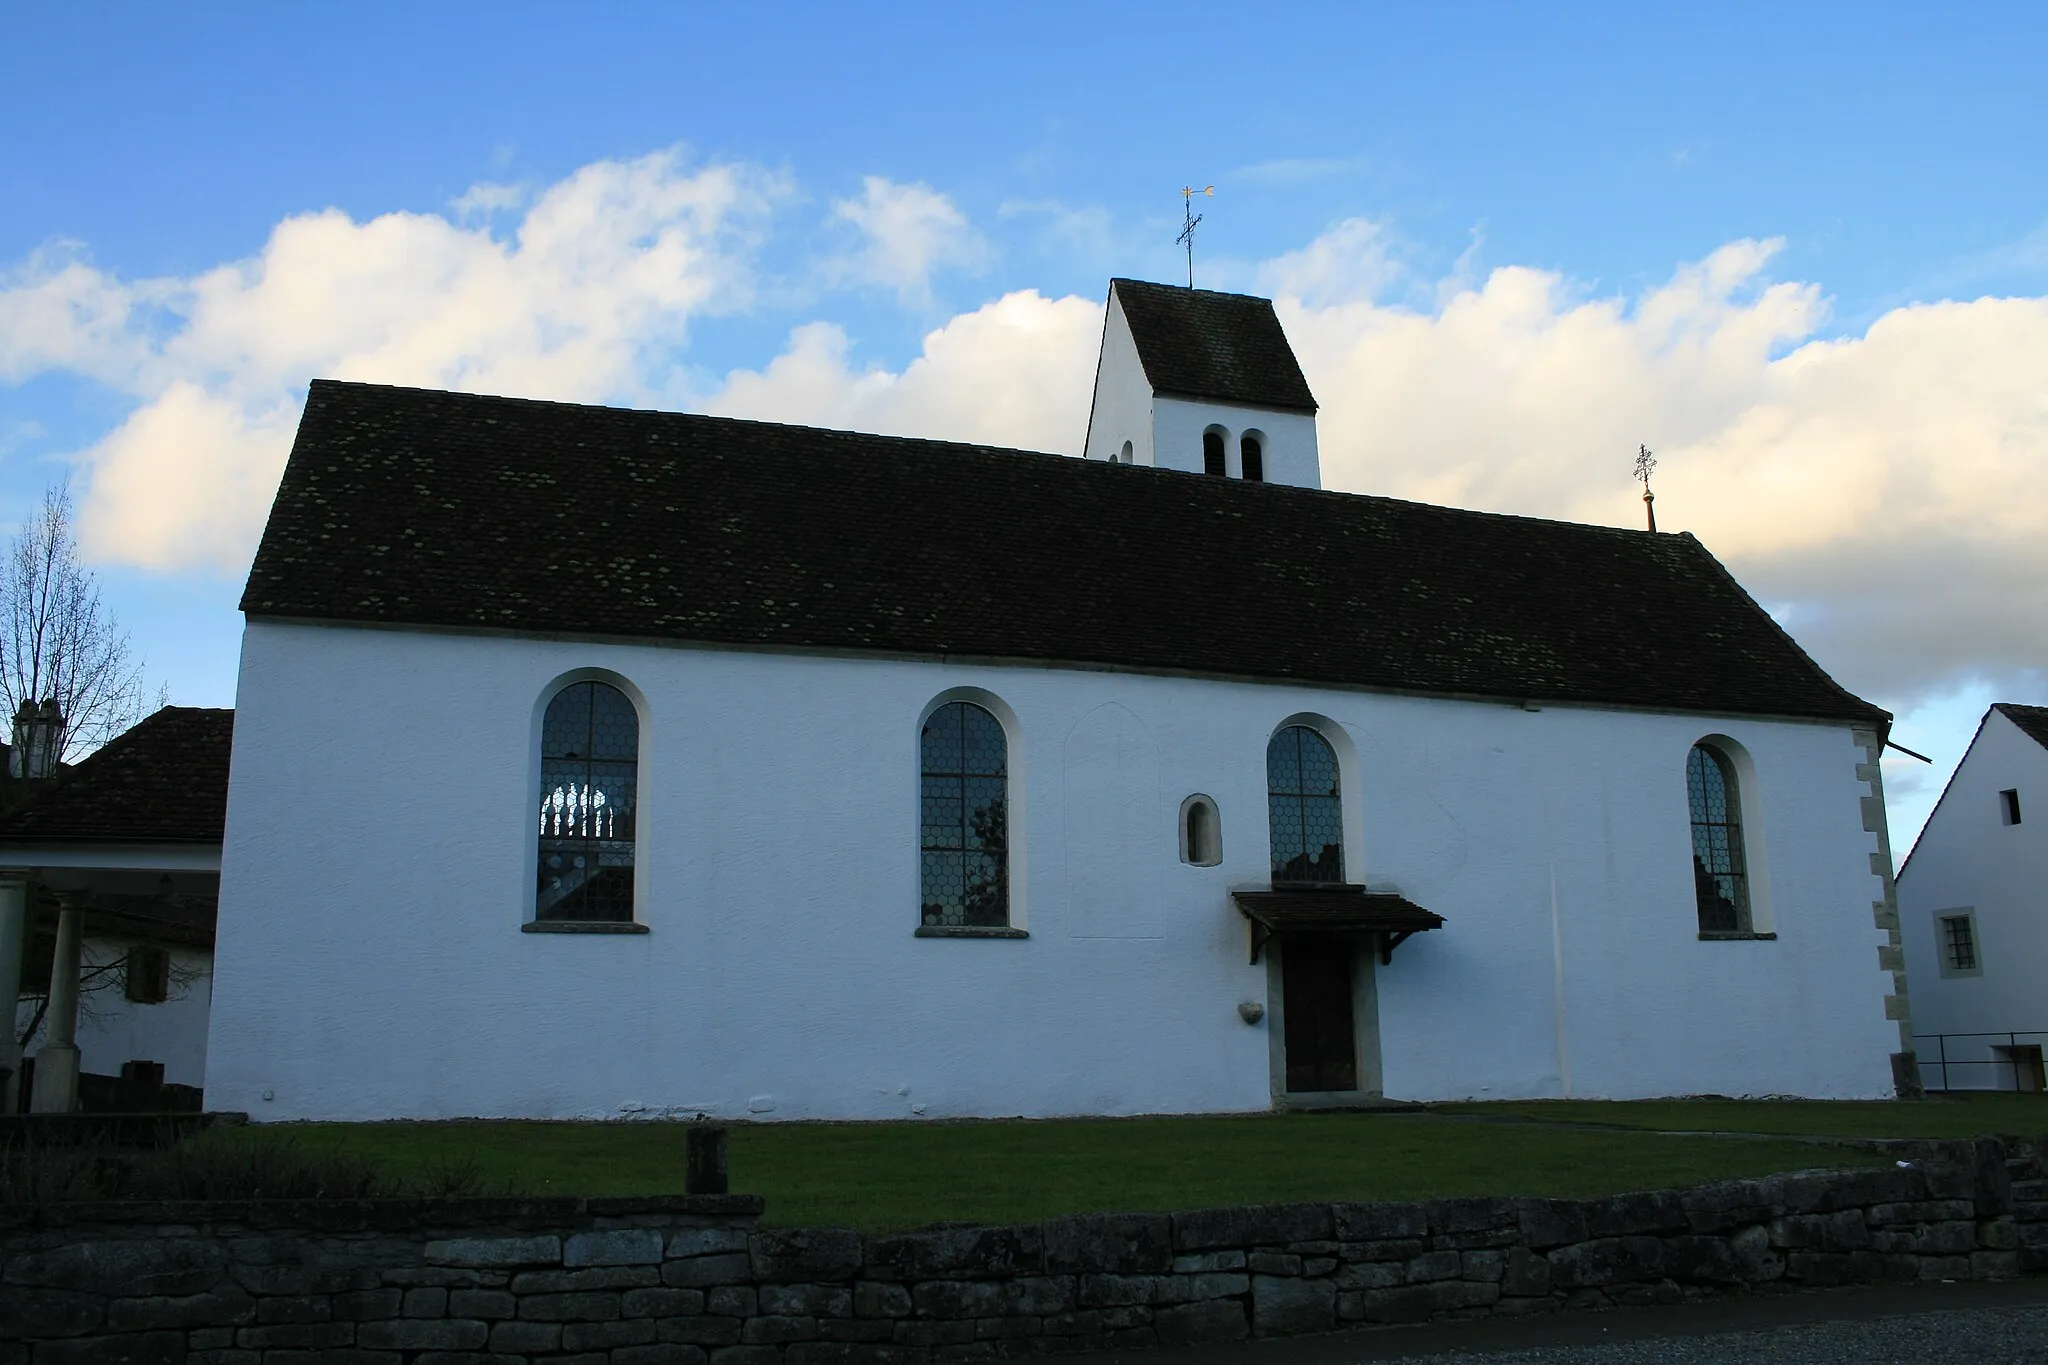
{"x": 1720, "y": 869}
{"x": 589, "y": 762}
{"x": 1127, "y": 454}
{"x": 1212, "y": 452}
{"x": 1303, "y": 807}
{"x": 1201, "y": 833}
{"x": 1253, "y": 456}
{"x": 965, "y": 839}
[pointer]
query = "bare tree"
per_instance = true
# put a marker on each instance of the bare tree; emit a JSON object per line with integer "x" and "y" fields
{"x": 57, "y": 639}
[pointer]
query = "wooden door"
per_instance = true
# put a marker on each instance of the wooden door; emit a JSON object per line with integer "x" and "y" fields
{"x": 1321, "y": 1039}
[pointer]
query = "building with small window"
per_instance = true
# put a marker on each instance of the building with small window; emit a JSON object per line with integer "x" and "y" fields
{"x": 1973, "y": 908}
{"x": 604, "y": 762}
{"x": 109, "y": 870}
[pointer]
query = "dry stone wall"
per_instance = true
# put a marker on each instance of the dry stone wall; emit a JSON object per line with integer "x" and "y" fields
{"x": 694, "y": 1280}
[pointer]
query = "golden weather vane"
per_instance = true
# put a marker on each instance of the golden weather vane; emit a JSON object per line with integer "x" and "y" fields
{"x": 1645, "y": 464}
{"x": 1188, "y": 219}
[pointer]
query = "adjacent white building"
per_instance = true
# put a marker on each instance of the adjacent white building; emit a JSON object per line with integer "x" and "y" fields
{"x": 598, "y": 762}
{"x": 1973, "y": 902}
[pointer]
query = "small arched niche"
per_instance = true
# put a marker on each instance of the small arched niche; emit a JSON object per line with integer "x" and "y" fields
{"x": 1201, "y": 832}
{"x": 1127, "y": 455}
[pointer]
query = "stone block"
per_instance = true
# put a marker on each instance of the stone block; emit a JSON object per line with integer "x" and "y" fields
{"x": 1606, "y": 1261}
{"x": 1835, "y": 1267}
{"x": 1994, "y": 1265}
{"x": 1644, "y": 1214}
{"x": 598, "y": 1305}
{"x": 1550, "y": 1223}
{"x": 495, "y": 1251}
{"x": 955, "y": 1253}
{"x": 746, "y": 1355}
{"x": 1655, "y": 1293}
{"x": 660, "y": 1303}
{"x": 1378, "y": 1222}
{"x": 1431, "y": 1265}
{"x": 1219, "y": 1284}
{"x": 806, "y": 1300}
{"x": 425, "y": 1303}
{"x": 53, "y": 1312}
{"x": 1273, "y": 1263}
{"x": 297, "y": 1336}
{"x": 1371, "y": 1275}
{"x": 1193, "y": 1323}
{"x": 228, "y": 1307}
{"x": 603, "y": 1336}
{"x": 856, "y": 1329}
{"x": 1928, "y": 1239}
{"x": 872, "y": 1299}
{"x": 845, "y": 1353}
{"x": 778, "y": 1330}
{"x": 526, "y": 1338}
{"x": 733, "y": 1301}
{"x": 805, "y": 1253}
{"x": 957, "y": 1299}
{"x": 1038, "y": 1295}
{"x": 1252, "y": 1225}
{"x": 423, "y": 1334}
{"x": 365, "y": 1305}
{"x": 1110, "y": 1291}
{"x": 1525, "y": 1274}
{"x": 706, "y": 1242}
{"x": 141, "y": 1268}
{"x": 613, "y": 1246}
{"x": 294, "y": 1308}
{"x": 482, "y": 1303}
{"x": 697, "y": 1272}
{"x": 210, "y": 1338}
{"x": 1480, "y": 1265}
{"x": 1315, "y": 1266}
{"x": 660, "y": 1353}
{"x": 1484, "y": 1213}
{"x": 465, "y": 1358}
{"x": 442, "y": 1277}
{"x": 1920, "y": 1211}
{"x": 212, "y": 1356}
{"x": 1111, "y": 1244}
{"x": 1197, "y": 1262}
{"x": 1400, "y": 1249}
{"x": 1421, "y": 1302}
{"x": 1998, "y": 1234}
{"x": 708, "y": 1330}
{"x": 577, "y": 1281}
{"x": 1284, "y": 1306}
{"x": 928, "y": 1333}
{"x": 136, "y": 1348}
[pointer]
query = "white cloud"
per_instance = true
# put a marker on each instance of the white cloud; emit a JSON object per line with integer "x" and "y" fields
{"x": 911, "y": 231}
{"x": 1015, "y": 372}
{"x": 599, "y": 279}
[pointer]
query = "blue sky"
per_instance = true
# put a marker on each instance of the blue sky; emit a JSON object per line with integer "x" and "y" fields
{"x": 1771, "y": 241}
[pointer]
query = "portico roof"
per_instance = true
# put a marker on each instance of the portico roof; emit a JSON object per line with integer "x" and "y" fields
{"x": 1340, "y": 909}
{"x": 163, "y": 781}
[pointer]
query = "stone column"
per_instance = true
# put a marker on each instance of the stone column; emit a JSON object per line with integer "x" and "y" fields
{"x": 56, "y": 1084}
{"x": 13, "y": 937}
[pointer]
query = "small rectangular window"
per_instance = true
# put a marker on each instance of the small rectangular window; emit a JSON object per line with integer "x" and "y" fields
{"x": 149, "y": 975}
{"x": 1956, "y": 949}
{"x": 2009, "y": 805}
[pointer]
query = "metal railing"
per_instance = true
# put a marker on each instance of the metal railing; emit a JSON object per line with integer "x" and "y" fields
{"x": 1988, "y": 1061}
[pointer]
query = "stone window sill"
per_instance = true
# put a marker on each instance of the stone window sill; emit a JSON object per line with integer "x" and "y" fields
{"x": 581, "y": 926}
{"x": 969, "y": 931}
{"x": 1735, "y": 936}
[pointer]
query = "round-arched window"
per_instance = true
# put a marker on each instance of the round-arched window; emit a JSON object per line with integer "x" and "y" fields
{"x": 1304, "y": 808}
{"x": 964, "y": 846}
{"x": 589, "y": 779}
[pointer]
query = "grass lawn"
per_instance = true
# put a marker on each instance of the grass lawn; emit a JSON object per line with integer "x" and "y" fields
{"x": 890, "y": 1176}
{"x": 1940, "y": 1117}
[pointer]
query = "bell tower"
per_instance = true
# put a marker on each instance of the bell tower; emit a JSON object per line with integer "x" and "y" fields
{"x": 1203, "y": 382}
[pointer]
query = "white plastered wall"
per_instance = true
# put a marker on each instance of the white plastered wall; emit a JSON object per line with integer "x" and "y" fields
{"x": 377, "y": 870}
{"x": 1122, "y": 407}
{"x": 1969, "y": 859}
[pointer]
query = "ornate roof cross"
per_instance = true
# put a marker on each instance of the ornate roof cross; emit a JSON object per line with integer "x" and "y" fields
{"x": 1188, "y": 219}
{"x": 1645, "y": 463}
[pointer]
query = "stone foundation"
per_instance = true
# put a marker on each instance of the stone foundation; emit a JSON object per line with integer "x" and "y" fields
{"x": 693, "y": 1280}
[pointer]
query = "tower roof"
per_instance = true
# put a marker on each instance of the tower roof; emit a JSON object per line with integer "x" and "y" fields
{"x": 1196, "y": 343}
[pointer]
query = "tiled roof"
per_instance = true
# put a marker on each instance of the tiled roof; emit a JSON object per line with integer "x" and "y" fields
{"x": 1199, "y": 344}
{"x": 2032, "y": 719}
{"x": 414, "y": 507}
{"x": 165, "y": 780}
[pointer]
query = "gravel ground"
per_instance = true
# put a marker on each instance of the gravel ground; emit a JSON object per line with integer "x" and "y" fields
{"x": 1982, "y": 1336}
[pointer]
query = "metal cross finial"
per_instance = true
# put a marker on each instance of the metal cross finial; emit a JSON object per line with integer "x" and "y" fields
{"x": 1646, "y": 463}
{"x": 1188, "y": 219}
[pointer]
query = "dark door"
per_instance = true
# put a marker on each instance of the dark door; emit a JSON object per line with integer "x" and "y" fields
{"x": 1322, "y": 1047}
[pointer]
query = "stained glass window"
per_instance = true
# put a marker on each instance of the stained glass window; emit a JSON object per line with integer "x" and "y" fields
{"x": 964, "y": 844}
{"x": 1303, "y": 807}
{"x": 1720, "y": 873}
{"x": 589, "y": 761}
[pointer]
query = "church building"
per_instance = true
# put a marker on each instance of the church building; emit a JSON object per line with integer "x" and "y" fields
{"x": 595, "y": 762}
